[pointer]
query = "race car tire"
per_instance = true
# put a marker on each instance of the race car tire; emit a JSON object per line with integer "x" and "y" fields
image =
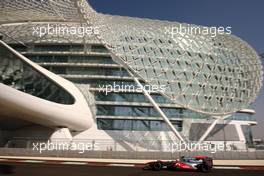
{"x": 205, "y": 168}
{"x": 157, "y": 166}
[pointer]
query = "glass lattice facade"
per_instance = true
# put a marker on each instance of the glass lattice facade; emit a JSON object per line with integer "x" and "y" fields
{"x": 129, "y": 111}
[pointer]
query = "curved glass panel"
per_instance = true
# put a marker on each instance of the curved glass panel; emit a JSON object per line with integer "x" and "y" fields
{"x": 21, "y": 76}
{"x": 214, "y": 75}
{"x": 33, "y": 10}
{"x": 135, "y": 125}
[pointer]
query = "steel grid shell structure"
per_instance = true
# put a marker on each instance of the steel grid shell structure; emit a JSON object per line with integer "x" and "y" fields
{"x": 216, "y": 76}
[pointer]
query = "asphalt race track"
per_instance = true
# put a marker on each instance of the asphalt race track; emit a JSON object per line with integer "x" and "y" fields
{"x": 27, "y": 169}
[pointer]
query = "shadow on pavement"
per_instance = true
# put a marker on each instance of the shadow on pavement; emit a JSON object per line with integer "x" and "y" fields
{"x": 6, "y": 169}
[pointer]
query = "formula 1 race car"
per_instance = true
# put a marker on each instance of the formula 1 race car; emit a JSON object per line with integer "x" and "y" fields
{"x": 197, "y": 163}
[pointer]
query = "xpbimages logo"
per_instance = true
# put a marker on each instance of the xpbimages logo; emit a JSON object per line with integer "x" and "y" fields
{"x": 79, "y": 147}
{"x": 130, "y": 88}
{"x": 194, "y": 146}
{"x": 187, "y": 29}
{"x": 64, "y": 30}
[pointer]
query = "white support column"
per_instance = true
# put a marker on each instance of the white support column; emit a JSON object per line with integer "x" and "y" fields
{"x": 208, "y": 131}
{"x": 211, "y": 127}
{"x": 156, "y": 106}
{"x": 240, "y": 133}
